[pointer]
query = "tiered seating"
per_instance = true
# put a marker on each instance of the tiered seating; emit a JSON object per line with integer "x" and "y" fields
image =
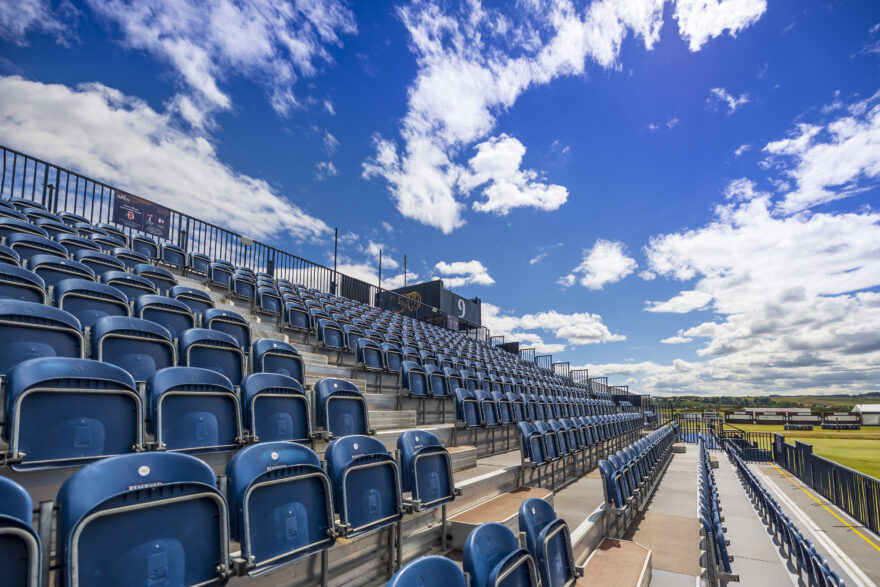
{"x": 810, "y": 565}
{"x": 630, "y": 476}
{"x": 717, "y": 558}
{"x": 548, "y": 541}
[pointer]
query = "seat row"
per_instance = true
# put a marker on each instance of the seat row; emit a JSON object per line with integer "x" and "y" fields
{"x": 492, "y": 555}
{"x": 63, "y": 411}
{"x": 717, "y": 559}
{"x": 630, "y": 476}
{"x": 159, "y": 518}
{"x": 481, "y": 408}
{"x": 811, "y": 566}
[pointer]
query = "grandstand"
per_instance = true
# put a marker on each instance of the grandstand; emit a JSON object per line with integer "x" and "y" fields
{"x": 201, "y": 410}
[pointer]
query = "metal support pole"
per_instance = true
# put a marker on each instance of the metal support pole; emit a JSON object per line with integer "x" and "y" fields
{"x": 443, "y": 544}
{"x": 325, "y": 555}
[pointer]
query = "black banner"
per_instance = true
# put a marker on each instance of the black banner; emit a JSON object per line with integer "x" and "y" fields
{"x": 141, "y": 215}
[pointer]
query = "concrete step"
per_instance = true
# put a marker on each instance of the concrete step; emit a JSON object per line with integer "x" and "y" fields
{"x": 463, "y": 457}
{"x": 310, "y": 358}
{"x": 503, "y": 509}
{"x": 382, "y": 419}
{"x": 618, "y": 562}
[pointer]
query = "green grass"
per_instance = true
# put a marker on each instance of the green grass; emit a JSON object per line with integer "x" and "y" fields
{"x": 856, "y": 449}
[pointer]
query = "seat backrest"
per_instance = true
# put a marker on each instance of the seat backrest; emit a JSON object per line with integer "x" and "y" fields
{"x": 277, "y": 356}
{"x": 211, "y": 349}
{"x": 425, "y": 468}
{"x": 173, "y": 315}
{"x": 29, "y": 330}
{"x": 139, "y": 346}
{"x": 89, "y": 300}
{"x": 276, "y": 408}
{"x": 232, "y": 323}
{"x": 429, "y": 571}
{"x": 182, "y": 522}
{"x": 129, "y": 284}
{"x": 20, "y": 548}
{"x": 196, "y": 299}
{"x": 340, "y": 408}
{"x": 488, "y": 549}
{"x": 17, "y": 283}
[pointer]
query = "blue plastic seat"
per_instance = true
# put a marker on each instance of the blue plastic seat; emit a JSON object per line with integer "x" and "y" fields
{"x": 53, "y": 269}
{"x": 74, "y": 243}
{"x": 114, "y": 231}
{"x": 11, "y": 226}
{"x": 198, "y": 263}
{"x": 55, "y": 228}
{"x": 243, "y": 285}
{"x": 141, "y": 347}
{"x": 17, "y": 283}
{"x": 11, "y": 211}
{"x": 146, "y": 246}
{"x": 63, "y": 411}
{"x": 296, "y": 317}
{"x": 276, "y": 408}
{"x": 220, "y": 274}
{"x": 29, "y": 330}
{"x": 429, "y": 571}
{"x": 548, "y": 541}
{"x": 9, "y": 256}
{"x": 330, "y": 334}
{"x": 210, "y": 349}
{"x": 29, "y": 245}
{"x": 24, "y": 204}
{"x": 198, "y": 300}
{"x": 163, "y": 279}
{"x": 366, "y": 486}
{"x": 467, "y": 408}
{"x": 173, "y": 315}
{"x": 369, "y": 355}
{"x": 172, "y": 255}
{"x": 87, "y": 229}
{"x": 492, "y": 558}
{"x": 340, "y": 408}
{"x": 488, "y": 408}
{"x": 413, "y": 379}
{"x": 425, "y": 469}
{"x": 281, "y": 503}
{"x": 20, "y": 548}
{"x": 71, "y": 219}
{"x": 393, "y": 357}
{"x": 131, "y": 285}
{"x": 88, "y": 300}
{"x": 437, "y": 382}
{"x": 107, "y": 242}
{"x": 129, "y": 258}
{"x": 277, "y": 356}
{"x": 231, "y": 323}
{"x": 268, "y": 301}
{"x": 152, "y": 518}
{"x": 505, "y": 408}
{"x": 98, "y": 262}
{"x": 193, "y": 409}
{"x": 533, "y": 444}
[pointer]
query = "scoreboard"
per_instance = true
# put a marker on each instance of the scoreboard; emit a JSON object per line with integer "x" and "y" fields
{"x": 432, "y": 293}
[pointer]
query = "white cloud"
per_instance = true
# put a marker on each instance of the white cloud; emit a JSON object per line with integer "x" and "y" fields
{"x": 672, "y": 123}
{"x": 679, "y": 339}
{"x": 741, "y": 189}
{"x": 701, "y": 20}
{"x": 537, "y": 258}
{"x": 328, "y": 106}
{"x": 474, "y": 65}
{"x": 19, "y": 17}
{"x": 462, "y": 273}
{"x": 373, "y": 249}
{"x": 387, "y": 226}
{"x": 682, "y": 303}
{"x": 330, "y": 143}
{"x": 607, "y": 262}
{"x": 497, "y": 163}
{"x": 271, "y": 42}
{"x": 741, "y": 149}
{"x": 121, "y": 140}
{"x": 575, "y": 329}
{"x": 325, "y": 169}
{"x": 832, "y": 160}
{"x": 647, "y": 275}
{"x": 369, "y": 273}
{"x": 723, "y": 97}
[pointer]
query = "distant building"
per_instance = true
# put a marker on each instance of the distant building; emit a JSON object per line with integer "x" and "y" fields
{"x": 870, "y": 414}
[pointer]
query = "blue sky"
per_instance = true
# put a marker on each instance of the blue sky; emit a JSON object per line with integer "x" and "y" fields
{"x": 679, "y": 195}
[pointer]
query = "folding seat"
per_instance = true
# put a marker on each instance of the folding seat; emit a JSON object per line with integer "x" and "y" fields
{"x": 131, "y": 285}
{"x": 29, "y": 330}
{"x": 269, "y": 301}
{"x": 242, "y": 285}
{"x": 330, "y": 334}
{"x": 141, "y": 347}
{"x": 108, "y": 243}
{"x": 114, "y": 231}
{"x": 89, "y": 300}
{"x": 71, "y": 219}
{"x": 281, "y": 504}
{"x": 21, "y": 284}
{"x": 87, "y": 229}
{"x": 277, "y": 356}
{"x": 72, "y": 244}
{"x": 369, "y": 355}
{"x": 53, "y": 269}
{"x": 453, "y": 378}
{"x": 232, "y": 323}
{"x": 504, "y": 407}
{"x": 145, "y": 246}
{"x": 492, "y": 557}
{"x": 470, "y": 380}
{"x": 129, "y": 258}
{"x": 163, "y": 279}
{"x": 197, "y": 300}
{"x": 366, "y": 484}
{"x": 193, "y": 409}
{"x": 413, "y": 379}
{"x": 98, "y": 262}
{"x": 220, "y": 274}
{"x": 426, "y": 358}
{"x": 9, "y": 256}
{"x": 548, "y": 541}
{"x": 171, "y": 314}
{"x": 295, "y": 315}
{"x": 172, "y": 255}
{"x": 352, "y": 334}
{"x": 198, "y": 263}
{"x": 63, "y": 411}
{"x": 20, "y": 548}
{"x": 55, "y": 228}
{"x": 488, "y": 408}
{"x": 340, "y": 408}
{"x": 24, "y": 204}
{"x": 276, "y": 408}
{"x": 425, "y": 469}
{"x": 437, "y": 381}
{"x": 213, "y": 350}
{"x": 11, "y": 212}
{"x": 613, "y": 483}
{"x": 113, "y": 532}
{"x": 562, "y": 437}
{"x": 411, "y": 354}
{"x": 393, "y": 357}
{"x": 429, "y": 571}
{"x": 551, "y": 440}
{"x": 28, "y": 245}
{"x": 11, "y": 226}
